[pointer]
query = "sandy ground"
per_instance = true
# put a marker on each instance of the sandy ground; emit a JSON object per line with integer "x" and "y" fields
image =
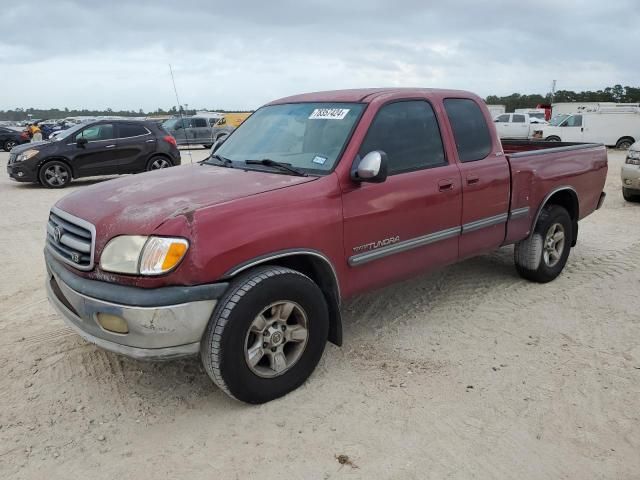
{"x": 470, "y": 372}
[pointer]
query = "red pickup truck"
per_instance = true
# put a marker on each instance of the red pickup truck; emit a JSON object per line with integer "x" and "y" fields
{"x": 245, "y": 257}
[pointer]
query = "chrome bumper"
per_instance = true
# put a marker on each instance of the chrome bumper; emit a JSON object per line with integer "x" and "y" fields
{"x": 155, "y": 333}
{"x": 630, "y": 175}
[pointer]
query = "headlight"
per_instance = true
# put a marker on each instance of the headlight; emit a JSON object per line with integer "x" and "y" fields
{"x": 27, "y": 155}
{"x": 139, "y": 255}
{"x": 633, "y": 157}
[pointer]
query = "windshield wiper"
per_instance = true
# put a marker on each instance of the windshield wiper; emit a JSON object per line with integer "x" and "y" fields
{"x": 225, "y": 162}
{"x": 267, "y": 162}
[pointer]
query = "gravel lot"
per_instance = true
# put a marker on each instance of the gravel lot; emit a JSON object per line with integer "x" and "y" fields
{"x": 469, "y": 372}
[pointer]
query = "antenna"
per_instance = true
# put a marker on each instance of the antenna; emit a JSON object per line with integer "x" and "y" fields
{"x": 186, "y": 137}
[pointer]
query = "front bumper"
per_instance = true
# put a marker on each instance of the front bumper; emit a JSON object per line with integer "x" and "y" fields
{"x": 20, "y": 172}
{"x": 630, "y": 175}
{"x": 171, "y": 329}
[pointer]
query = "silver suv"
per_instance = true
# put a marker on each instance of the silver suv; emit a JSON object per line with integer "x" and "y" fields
{"x": 631, "y": 174}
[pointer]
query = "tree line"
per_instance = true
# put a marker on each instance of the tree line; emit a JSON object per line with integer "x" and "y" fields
{"x": 21, "y": 114}
{"x": 617, "y": 93}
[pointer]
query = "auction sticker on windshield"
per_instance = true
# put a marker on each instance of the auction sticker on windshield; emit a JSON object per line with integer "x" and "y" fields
{"x": 329, "y": 114}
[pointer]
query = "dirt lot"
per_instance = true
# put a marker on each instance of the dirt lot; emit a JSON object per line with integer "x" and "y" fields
{"x": 470, "y": 372}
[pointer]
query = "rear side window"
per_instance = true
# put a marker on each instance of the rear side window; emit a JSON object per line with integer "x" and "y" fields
{"x": 469, "y": 129}
{"x": 518, "y": 118}
{"x": 408, "y": 133}
{"x": 199, "y": 122}
{"x": 126, "y": 130}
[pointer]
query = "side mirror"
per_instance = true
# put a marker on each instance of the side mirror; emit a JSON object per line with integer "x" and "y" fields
{"x": 81, "y": 142}
{"x": 371, "y": 168}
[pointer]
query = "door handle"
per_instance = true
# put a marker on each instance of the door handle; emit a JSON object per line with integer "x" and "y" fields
{"x": 109, "y": 146}
{"x": 472, "y": 179}
{"x": 445, "y": 185}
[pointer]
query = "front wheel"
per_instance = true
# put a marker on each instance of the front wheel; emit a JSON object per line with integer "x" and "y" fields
{"x": 55, "y": 174}
{"x": 266, "y": 335}
{"x": 541, "y": 257}
{"x": 628, "y": 195}
{"x": 552, "y": 138}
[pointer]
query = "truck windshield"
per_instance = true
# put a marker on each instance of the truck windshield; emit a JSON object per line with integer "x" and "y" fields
{"x": 307, "y": 136}
{"x": 558, "y": 119}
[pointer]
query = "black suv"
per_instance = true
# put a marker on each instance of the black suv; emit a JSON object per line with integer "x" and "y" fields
{"x": 104, "y": 147}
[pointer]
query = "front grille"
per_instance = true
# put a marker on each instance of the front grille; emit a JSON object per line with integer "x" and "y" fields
{"x": 71, "y": 239}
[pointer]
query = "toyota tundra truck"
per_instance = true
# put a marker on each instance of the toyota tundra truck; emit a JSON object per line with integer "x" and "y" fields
{"x": 245, "y": 258}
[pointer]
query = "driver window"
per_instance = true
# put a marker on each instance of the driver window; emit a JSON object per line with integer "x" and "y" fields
{"x": 503, "y": 118}
{"x": 574, "y": 121}
{"x": 96, "y": 133}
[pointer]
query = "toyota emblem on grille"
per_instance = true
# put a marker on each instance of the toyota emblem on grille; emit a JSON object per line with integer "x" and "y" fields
{"x": 57, "y": 234}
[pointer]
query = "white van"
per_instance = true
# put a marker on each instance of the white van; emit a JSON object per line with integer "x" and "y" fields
{"x": 618, "y": 129}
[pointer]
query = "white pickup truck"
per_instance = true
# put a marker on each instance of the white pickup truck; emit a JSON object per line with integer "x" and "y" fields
{"x": 517, "y": 125}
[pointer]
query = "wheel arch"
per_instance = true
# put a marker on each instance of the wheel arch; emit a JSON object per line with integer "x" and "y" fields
{"x": 64, "y": 160}
{"x": 625, "y": 137}
{"x": 565, "y": 197}
{"x": 316, "y": 266}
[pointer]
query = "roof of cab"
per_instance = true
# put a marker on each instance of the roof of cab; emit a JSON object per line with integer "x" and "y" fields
{"x": 366, "y": 95}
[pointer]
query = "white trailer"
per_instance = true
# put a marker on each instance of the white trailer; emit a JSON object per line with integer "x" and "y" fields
{"x": 612, "y": 126}
{"x": 496, "y": 110}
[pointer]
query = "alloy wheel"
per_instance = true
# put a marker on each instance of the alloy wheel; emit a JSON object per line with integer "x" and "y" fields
{"x": 276, "y": 339}
{"x": 553, "y": 246}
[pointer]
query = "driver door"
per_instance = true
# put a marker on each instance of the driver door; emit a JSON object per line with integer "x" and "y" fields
{"x": 571, "y": 129}
{"x": 97, "y": 155}
{"x": 410, "y": 223}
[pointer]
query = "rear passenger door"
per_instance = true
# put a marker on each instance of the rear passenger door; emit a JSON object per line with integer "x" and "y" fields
{"x": 410, "y": 222}
{"x": 519, "y": 126}
{"x": 135, "y": 145}
{"x": 485, "y": 178}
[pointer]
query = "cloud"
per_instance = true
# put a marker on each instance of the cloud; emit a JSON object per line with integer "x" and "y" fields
{"x": 98, "y": 54}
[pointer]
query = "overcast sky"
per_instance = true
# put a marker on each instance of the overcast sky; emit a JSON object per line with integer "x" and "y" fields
{"x": 227, "y": 54}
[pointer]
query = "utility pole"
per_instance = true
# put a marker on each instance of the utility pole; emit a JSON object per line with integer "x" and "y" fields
{"x": 553, "y": 89}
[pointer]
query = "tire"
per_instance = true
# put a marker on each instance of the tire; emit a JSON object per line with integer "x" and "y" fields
{"x": 207, "y": 145}
{"x": 158, "y": 162}
{"x": 625, "y": 143}
{"x": 628, "y": 195}
{"x": 55, "y": 174}
{"x": 552, "y": 138}
{"x": 533, "y": 256}
{"x": 9, "y": 144}
{"x": 234, "y": 331}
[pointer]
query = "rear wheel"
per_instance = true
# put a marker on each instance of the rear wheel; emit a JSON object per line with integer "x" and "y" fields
{"x": 266, "y": 335}
{"x": 9, "y": 144}
{"x": 541, "y": 257}
{"x": 552, "y": 138}
{"x": 624, "y": 143}
{"x": 55, "y": 174}
{"x": 156, "y": 163}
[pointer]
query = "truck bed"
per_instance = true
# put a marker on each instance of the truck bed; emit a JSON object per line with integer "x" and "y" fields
{"x": 512, "y": 146}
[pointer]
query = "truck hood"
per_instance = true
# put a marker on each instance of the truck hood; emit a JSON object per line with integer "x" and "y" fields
{"x": 138, "y": 204}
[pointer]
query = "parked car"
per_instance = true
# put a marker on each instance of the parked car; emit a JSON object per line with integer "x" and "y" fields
{"x": 192, "y": 130}
{"x": 614, "y": 127}
{"x": 105, "y": 147}
{"x": 9, "y": 138}
{"x": 246, "y": 257}
{"x": 631, "y": 174}
{"x": 517, "y": 125}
